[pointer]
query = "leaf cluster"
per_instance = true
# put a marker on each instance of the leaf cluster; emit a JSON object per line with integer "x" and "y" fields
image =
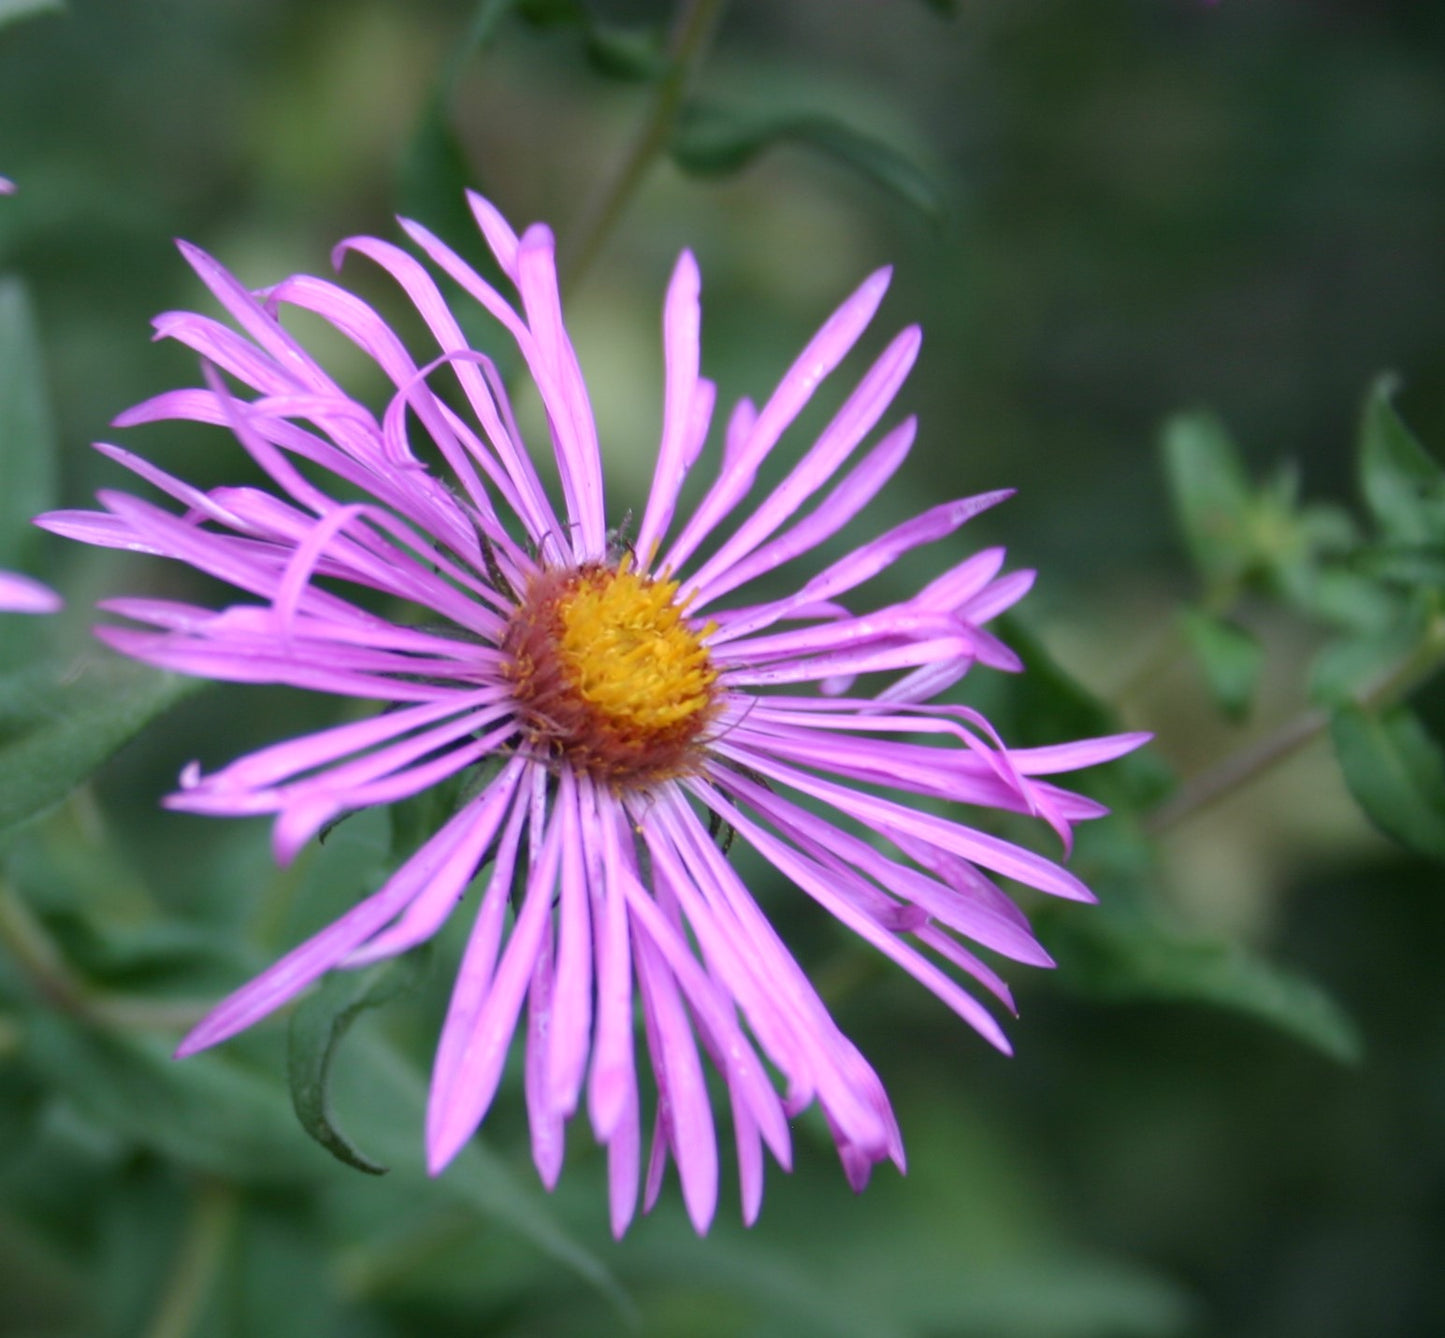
{"x": 1370, "y": 589}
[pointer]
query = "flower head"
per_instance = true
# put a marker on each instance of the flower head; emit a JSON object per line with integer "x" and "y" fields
{"x": 632, "y": 700}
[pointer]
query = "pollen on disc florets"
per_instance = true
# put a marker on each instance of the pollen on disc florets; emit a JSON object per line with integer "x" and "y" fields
{"x": 610, "y": 677}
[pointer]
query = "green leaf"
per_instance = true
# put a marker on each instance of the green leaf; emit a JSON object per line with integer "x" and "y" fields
{"x": 716, "y": 141}
{"x": 551, "y": 13}
{"x": 58, "y": 726}
{"x": 1353, "y": 664}
{"x": 160, "y": 958}
{"x": 12, "y": 11}
{"x": 1211, "y": 494}
{"x": 1409, "y": 565}
{"x": 283, "y": 1285}
{"x": 434, "y": 178}
{"x": 631, "y": 55}
{"x": 1395, "y": 771}
{"x": 1351, "y": 599}
{"x": 207, "y": 1112}
{"x": 27, "y": 432}
{"x": 1403, "y": 486}
{"x": 747, "y": 1278}
{"x": 1045, "y": 704}
{"x": 386, "y": 1097}
{"x": 1230, "y": 657}
{"x": 1128, "y": 957}
{"x": 415, "y": 820}
{"x": 317, "y": 1026}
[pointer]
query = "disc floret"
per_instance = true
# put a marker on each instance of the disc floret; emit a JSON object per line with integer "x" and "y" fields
{"x": 610, "y": 676}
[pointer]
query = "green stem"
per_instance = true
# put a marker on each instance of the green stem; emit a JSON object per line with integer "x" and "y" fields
{"x": 37, "y": 953}
{"x": 1165, "y": 647}
{"x": 1241, "y": 767}
{"x": 197, "y": 1262}
{"x": 696, "y": 20}
{"x": 1237, "y": 770}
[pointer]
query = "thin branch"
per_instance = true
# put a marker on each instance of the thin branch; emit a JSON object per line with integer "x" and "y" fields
{"x": 1241, "y": 767}
{"x": 1237, "y": 770}
{"x": 691, "y": 32}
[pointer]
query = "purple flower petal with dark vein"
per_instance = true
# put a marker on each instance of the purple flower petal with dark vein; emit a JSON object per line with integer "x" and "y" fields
{"x": 636, "y": 701}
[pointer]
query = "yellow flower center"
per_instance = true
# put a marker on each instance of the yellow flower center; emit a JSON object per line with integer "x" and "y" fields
{"x": 610, "y": 676}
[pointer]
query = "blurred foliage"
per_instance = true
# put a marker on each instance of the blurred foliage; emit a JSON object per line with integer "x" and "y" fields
{"x": 1099, "y": 213}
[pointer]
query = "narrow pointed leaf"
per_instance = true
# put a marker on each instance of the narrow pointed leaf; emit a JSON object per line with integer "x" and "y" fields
{"x": 27, "y": 431}
{"x": 1211, "y": 494}
{"x": 208, "y": 1113}
{"x": 1396, "y": 773}
{"x": 57, "y": 726}
{"x": 1123, "y": 957}
{"x": 717, "y": 141}
{"x": 435, "y": 177}
{"x": 1230, "y": 657}
{"x": 385, "y": 1100}
{"x": 12, "y": 11}
{"x": 317, "y": 1027}
{"x": 1403, "y": 486}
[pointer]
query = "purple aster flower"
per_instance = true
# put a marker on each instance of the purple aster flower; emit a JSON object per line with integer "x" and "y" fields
{"x": 631, "y": 708}
{"x": 19, "y": 594}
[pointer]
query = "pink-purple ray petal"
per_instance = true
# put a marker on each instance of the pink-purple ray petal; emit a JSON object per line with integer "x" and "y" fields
{"x": 604, "y": 897}
{"x": 21, "y": 594}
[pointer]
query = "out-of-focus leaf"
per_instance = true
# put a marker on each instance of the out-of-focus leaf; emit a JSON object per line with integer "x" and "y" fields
{"x": 1045, "y": 704}
{"x": 632, "y": 55}
{"x": 416, "y": 819}
{"x": 284, "y": 1283}
{"x": 1211, "y": 495}
{"x": 434, "y": 178}
{"x": 1405, "y": 564}
{"x": 138, "y": 1220}
{"x": 27, "y": 431}
{"x": 1328, "y": 529}
{"x": 1403, "y": 486}
{"x": 207, "y": 1112}
{"x": 799, "y": 1302}
{"x": 1349, "y": 598}
{"x": 716, "y": 141}
{"x": 12, "y": 11}
{"x": 551, "y": 13}
{"x": 57, "y": 727}
{"x": 1058, "y": 1296}
{"x": 1230, "y": 657}
{"x": 317, "y": 1026}
{"x": 1396, "y": 773}
{"x": 44, "y": 1294}
{"x": 1350, "y": 665}
{"x": 160, "y": 957}
{"x": 1125, "y": 957}
{"x": 385, "y": 1099}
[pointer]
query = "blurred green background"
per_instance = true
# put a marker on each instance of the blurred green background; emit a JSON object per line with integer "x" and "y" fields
{"x": 1142, "y": 206}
